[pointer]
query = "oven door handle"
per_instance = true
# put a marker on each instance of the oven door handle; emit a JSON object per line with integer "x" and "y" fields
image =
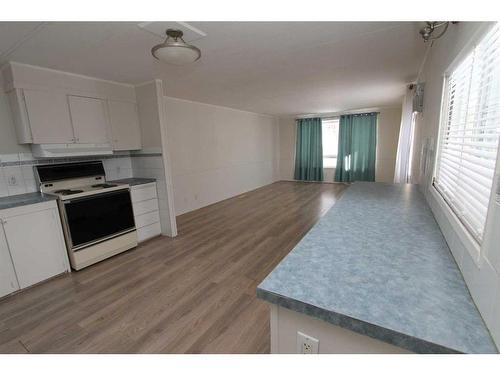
{"x": 96, "y": 195}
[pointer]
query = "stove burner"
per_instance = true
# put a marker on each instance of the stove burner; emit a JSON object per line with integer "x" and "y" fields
{"x": 68, "y": 191}
{"x": 103, "y": 185}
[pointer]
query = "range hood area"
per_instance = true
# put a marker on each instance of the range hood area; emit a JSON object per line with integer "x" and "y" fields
{"x": 69, "y": 150}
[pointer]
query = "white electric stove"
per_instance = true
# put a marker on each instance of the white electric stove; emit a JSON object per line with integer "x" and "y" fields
{"x": 97, "y": 216}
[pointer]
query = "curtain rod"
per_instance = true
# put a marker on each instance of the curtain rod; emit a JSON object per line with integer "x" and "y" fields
{"x": 337, "y": 114}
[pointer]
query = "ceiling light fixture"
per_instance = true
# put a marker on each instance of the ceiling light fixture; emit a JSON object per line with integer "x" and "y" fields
{"x": 427, "y": 31}
{"x": 174, "y": 50}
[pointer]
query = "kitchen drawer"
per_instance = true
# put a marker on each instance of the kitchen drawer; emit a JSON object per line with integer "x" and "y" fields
{"x": 143, "y": 192}
{"x": 143, "y": 207}
{"x": 147, "y": 219}
{"x": 148, "y": 232}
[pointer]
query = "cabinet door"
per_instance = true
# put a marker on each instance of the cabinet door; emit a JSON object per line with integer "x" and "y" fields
{"x": 89, "y": 119}
{"x": 41, "y": 254}
{"x": 126, "y": 133}
{"x": 8, "y": 280}
{"x": 48, "y": 115}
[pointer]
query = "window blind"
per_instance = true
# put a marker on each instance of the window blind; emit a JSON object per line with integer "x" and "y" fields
{"x": 470, "y": 128}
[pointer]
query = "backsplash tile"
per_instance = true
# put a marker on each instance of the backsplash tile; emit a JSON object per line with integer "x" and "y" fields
{"x": 3, "y": 185}
{"x": 28, "y": 172}
{"x": 117, "y": 168}
{"x": 26, "y": 156}
{"x": 9, "y": 158}
{"x": 17, "y": 174}
{"x": 13, "y": 177}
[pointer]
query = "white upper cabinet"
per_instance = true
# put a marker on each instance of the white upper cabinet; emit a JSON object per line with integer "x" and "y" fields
{"x": 8, "y": 280}
{"x": 125, "y": 129}
{"x": 55, "y": 107}
{"x": 89, "y": 119}
{"x": 48, "y": 116}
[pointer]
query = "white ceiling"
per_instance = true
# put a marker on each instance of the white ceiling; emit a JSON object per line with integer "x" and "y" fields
{"x": 280, "y": 68}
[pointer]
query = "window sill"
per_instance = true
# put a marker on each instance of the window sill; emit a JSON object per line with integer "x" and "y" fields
{"x": 460, "y": 231}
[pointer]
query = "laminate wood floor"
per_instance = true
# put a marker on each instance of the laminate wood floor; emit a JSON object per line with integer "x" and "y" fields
{"x": 191, "y": 294}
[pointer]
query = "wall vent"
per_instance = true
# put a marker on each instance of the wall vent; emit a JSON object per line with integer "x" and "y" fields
{"x": 158, "y": 29}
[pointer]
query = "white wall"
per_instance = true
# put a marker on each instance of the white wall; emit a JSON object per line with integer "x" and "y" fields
{"x": 287, "y": 135}
{"x": 153, "y": 160}
{"x": 148, "y": 117}
{"x": 218, "y": 152}
{"x": 482, "y": 274}
{"x": 389, "y": 121}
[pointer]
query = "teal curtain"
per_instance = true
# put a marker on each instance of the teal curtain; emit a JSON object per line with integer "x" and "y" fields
{"x": 309, "y": 150}
{"x": 357, "y": 148}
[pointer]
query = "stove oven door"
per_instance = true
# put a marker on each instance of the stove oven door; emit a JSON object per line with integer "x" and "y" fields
{"x": 95, "y": 218}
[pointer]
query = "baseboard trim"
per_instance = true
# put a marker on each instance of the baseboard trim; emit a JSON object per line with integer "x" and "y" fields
{"x": 314, "y": 182}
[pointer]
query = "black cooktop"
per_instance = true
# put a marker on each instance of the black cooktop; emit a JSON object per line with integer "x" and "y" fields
{"x": 104, "y": 185}
{"x": 68, "y": 191}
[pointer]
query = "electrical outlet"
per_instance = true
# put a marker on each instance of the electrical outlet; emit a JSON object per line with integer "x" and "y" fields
{"x": 307, "y": 344}
{"x": 12, "y": 180}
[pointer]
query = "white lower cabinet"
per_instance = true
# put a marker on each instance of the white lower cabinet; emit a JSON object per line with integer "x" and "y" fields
{"x": 146, "y": 211}
{"x": 149, "y": 231}
{"x": 34, "y": 242}
{"x": 8, "y": 279}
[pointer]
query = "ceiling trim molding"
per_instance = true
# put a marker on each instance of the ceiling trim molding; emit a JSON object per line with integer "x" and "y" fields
{"x": 221, "y": 106}
{"x": 30, "y": 34}
{"x": 83, "y": 76}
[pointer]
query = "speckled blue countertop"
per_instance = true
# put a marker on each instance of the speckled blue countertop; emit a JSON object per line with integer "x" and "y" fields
{"x": 24, "y": 199}
{"x": 377, "y": 264}
{"x": 134, "y": 181}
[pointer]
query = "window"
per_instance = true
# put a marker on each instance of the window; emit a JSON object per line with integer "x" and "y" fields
{"x": 412, "y": 147}
{"x": 469, "y": 132}
{"x": 330, "y": 135}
